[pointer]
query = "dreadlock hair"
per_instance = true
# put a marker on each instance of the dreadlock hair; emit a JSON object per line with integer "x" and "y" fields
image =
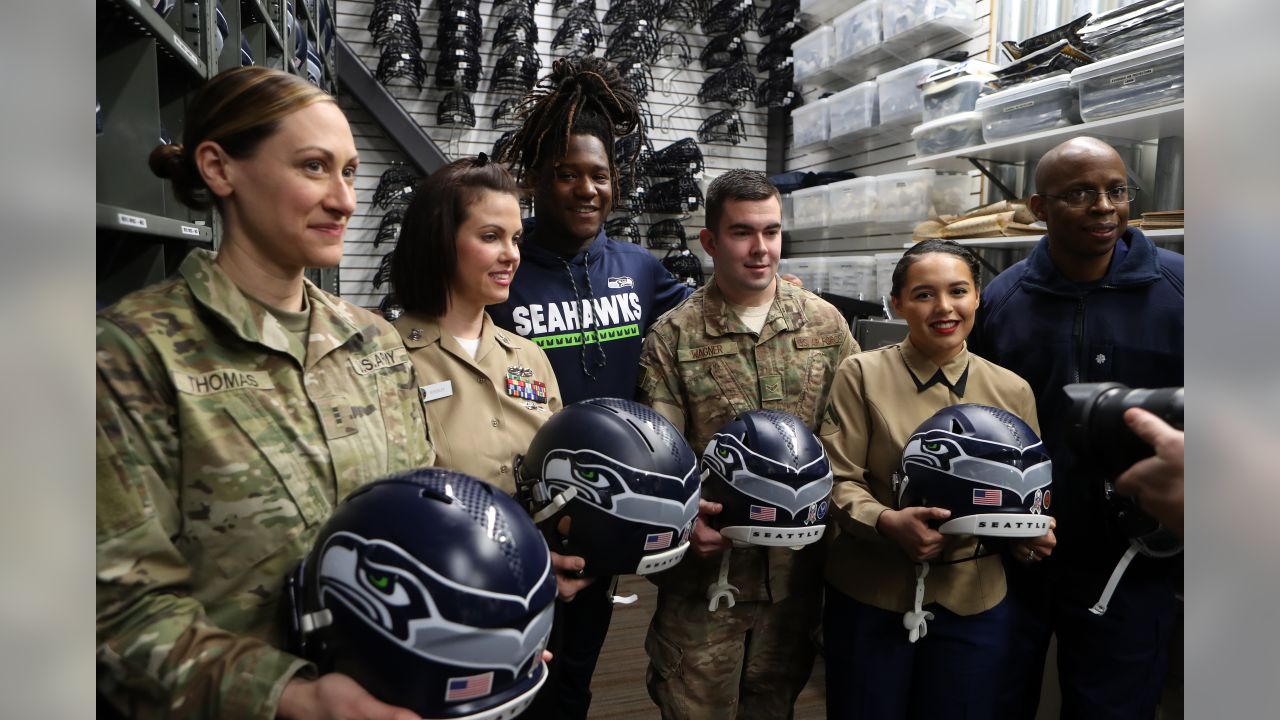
{"x": 582, "y": 96}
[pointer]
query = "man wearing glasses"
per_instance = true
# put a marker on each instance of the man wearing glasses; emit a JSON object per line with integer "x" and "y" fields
{"x": 1094, "y": 301}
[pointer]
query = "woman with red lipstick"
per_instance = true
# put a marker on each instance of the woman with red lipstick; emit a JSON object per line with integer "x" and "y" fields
{"x": 486, "y": 391}
{"x": 237, "y": 403}
{"x": 877, "y": 400}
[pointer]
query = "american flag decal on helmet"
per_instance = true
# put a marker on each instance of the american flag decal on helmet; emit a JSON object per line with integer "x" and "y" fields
{"x": 657, "y": 541}
{"x": 469, "y": 687}
{"x": 986, "y": 497}
{"x": 763, "y": 513}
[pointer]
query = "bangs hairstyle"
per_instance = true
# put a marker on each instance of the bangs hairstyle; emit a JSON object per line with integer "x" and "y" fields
{"x": 737, "y": 184}
{"x": 932, "y": 245}
{"x": 425, "y": 258}
{"x": 582, "y": 96}
{"x": 238, "y": 109}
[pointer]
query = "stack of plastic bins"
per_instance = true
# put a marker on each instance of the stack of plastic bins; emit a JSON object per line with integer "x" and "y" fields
{"x": 948, "y": 133}
{"x": 1031, "y": 107}
{"x": 885, "y": 262}
{"x": 1140, "y": 80}
{"x": 919, "y": 27}
{"x": 901, "y": 102}
{"x": 853, "y": 203}
{"x": 858, "y": 40}
{"x": 917, "y": 195}
{"x": 853, "y": 112}
{"x": 809, "y": 208}
{"x": 852, "y": 276}
{"x": 812, "y": 55}
{"x": 809, "y": 124}
{"x": 955, "y": 88}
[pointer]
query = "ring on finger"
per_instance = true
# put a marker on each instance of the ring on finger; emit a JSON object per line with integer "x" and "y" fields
{"x": 1031, "y": 555}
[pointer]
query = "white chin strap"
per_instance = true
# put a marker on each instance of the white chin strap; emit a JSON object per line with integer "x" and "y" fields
{"x": 916, "y": 620}
{"x": 1100, "y": 608}
{"x": 721, "y": 589}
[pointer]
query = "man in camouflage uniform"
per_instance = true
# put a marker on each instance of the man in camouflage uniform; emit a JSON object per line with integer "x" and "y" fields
{"x": 743, "y": 341}
{"x": 226, "y": 433}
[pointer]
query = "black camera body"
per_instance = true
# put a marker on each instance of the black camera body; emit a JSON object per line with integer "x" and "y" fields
{"x": 1101, "y": 441}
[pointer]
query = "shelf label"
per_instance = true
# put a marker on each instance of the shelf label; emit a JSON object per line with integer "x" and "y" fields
{"x": 181, "y": 44}
{"x": 190, "y": 230}
{"x": 1131, "y": 77}
{"x": 1020, "y": 106}
{"x": 131, "y": 221}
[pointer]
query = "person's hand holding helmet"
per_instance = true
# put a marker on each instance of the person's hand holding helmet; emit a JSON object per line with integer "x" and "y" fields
{"x": 909, "y": 528}
{"x": 1034, "y": 549}
{"x": 568, "y": 568}
{"x": 706, "y": 540}
{"x": 337, "y": 697}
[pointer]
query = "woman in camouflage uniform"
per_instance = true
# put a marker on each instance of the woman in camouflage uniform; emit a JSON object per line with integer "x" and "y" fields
{"x": 237, "y": 403}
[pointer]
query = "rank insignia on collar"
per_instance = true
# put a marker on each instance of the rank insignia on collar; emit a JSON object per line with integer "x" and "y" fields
{"x": 525, "y": 387}
{"x": 415, "y": 334}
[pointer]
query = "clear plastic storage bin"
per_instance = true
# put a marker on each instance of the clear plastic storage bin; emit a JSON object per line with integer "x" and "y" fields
{"x": 955, "y": 88}
{"x": 812, "y": 271}
{"x": 885, "y": 263}
{"x": 809, "y": 208}
{"x": 852, "y": 275}
{"x": 1030, "y": 107}
{"x": 948, "y": 133}
{"x": 920, "y": 194}
{"x": 907, "y": 20}
{"x": 899, "y": 91}
{"x": 853, "y": 110}
{"x": 852, "y": 202}
{"x": 809, "y": 124}
{"x": 818, "y": 11}
{"x": 813, "y": 53}
{"x": 1139, "y": 80}
{"x": 857, "y": 30}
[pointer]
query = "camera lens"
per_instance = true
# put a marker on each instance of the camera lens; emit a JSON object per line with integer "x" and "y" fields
{"x": 1096, "y": 429}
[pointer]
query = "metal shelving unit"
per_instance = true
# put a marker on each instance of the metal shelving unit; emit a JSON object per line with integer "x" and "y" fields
{"x": 148, "y": 66}
{"x": 1028, "y": 241}
{"x": 1123, "y": 130}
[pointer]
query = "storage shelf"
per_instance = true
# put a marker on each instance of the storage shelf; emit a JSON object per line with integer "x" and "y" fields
{"x": 149, "y": 22}
{"x": 256, "y": 12}
{"x": 126, "y": 220}
{"x": 1125, "y": 129}
{"x": 1025, "y": 241}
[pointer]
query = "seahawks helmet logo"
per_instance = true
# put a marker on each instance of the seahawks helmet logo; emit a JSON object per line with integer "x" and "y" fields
{"x": 752, "y": 474}
{"x": 1020, "y": 471}
{"x": 623, "y": 491}
{"x": 400, "y": 598}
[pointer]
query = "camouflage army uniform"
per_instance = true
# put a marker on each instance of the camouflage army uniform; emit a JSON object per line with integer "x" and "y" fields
{"x": 700, "y": 368}
{"x": 222, "y": 445}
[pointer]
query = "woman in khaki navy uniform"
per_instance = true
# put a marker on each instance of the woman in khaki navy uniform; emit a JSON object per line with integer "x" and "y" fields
{"x": 486, "y": 391}
{"x": 237, "y": 403}
{"x": 877, "y": 399}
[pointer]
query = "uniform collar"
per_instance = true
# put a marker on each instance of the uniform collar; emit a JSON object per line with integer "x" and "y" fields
{"x": 331, "y": 323}
{"x": 785, "y": 313}
{"x": 925, "y": 373}
{"x": 421, "y": 331}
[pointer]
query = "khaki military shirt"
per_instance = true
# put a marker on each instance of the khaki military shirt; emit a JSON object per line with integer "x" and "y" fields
{"x": 878, "y": 399}
{"x": 701, "y": 367}
{"x": 481, "y": 412}
{"x": 223, "y": 443}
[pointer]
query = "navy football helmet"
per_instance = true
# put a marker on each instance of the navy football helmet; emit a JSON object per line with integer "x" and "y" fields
{"x": 434, "y": 591}
{"x": 772, "y": 477}
{"x": 983, "y": 464}
{"x": 625, "y": 477}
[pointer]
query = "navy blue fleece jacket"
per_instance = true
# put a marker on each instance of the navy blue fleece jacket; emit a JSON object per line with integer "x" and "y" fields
{"x": 1127, "y": 327}
{"x": 589, "y": 312}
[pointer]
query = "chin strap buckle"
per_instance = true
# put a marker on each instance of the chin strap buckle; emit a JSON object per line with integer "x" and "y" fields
{"x": 916, "y": 620}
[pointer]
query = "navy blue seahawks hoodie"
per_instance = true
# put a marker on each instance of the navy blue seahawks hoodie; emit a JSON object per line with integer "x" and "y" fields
{"x": 589, "y": 312}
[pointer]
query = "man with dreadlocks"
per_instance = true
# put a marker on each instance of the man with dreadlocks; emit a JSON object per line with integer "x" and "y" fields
{"x": 586, "y": 300}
